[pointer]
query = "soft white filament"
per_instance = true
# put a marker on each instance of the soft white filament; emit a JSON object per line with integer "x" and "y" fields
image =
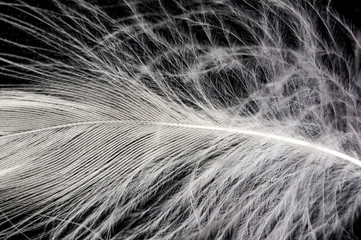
{"x": 199, "y": 119}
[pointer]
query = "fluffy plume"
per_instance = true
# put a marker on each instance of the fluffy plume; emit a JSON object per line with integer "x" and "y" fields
{"x": 202, "y": 119}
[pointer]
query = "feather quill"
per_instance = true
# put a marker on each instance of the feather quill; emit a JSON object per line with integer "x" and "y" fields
{"x": 199, "y": 119}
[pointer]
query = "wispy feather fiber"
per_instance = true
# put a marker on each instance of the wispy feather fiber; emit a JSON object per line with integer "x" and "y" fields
{"x": 200, "y": 119}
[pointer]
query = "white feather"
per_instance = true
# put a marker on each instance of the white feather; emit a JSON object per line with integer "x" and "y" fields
{"x": 193, "y": 120}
